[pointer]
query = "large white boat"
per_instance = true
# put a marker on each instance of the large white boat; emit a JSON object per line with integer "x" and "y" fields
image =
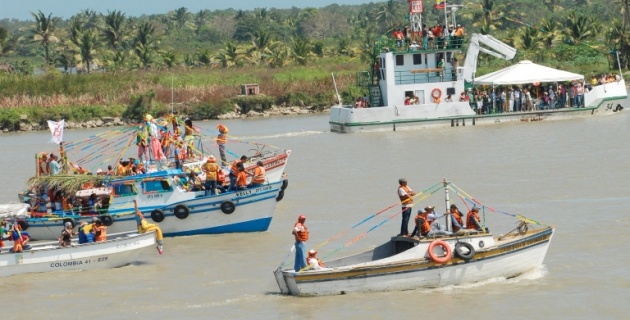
{"x": 434, "y": 83}
{"x": 119, "y": 250}
{"x": 406, "y": 263}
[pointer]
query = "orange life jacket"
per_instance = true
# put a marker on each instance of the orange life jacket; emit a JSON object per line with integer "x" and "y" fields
{"x": 458, "y": 216}
{"x": 471, "y": 218}
{"x": 221, "y": 138}
{"x": 423, "y": 224}
{"x": 102, "y": 236}
{"x": 406, "y": 199}
{"x": 241, "y": 179}
{"x": 259, "y": 175}
{"x": 302, "y": 232}
{"x": 220, "y": 176}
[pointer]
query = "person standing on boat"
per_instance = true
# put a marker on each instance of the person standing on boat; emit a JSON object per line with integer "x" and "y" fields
{"x": 85, "y": 233}
{"x": 406, "y": 199}
{"x": 300, "y": 232}
{"x": 156, "y": 144}
{"x": 99, "y": 230}
{"x": 144, "y": 227}
{"x": 142, "y": 141}
{"x": 221, "y": 140}
{"x": 234, "y": 172}
{"x": 211, "y": 168}
{"x": 456, "y": 220}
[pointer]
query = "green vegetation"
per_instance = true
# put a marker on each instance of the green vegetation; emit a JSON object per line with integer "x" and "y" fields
{"x": 125, "y": 66}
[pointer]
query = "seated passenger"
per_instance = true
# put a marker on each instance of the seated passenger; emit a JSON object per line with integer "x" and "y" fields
{"x": 65, "y": 240}
{"x": 473, "y": 222}
{"x": 100, "y": 231}
{"x": 313, "y": 263}
{"x": 423, "y": 227}
{"x": 85, "y": 233}
{"x": 241, "y": 179}
{"x": 456, "y": 220}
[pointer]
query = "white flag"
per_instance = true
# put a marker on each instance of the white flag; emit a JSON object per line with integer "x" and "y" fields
{"x": 56, "y": 128}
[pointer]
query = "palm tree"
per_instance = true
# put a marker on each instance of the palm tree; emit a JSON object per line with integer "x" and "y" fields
{"x": 169, "y": 58}
{"x": 87, "y": 43}
{"x": 387, "y": 14}
{"x": 204, "y": 57}
{"x": 230, "y": 55}
{"x": 302, "y": 50}
{"x": 115, "y": 30}
{"x": 145, "y": 42}
{"x": 278, "y": 55}
{"x": 181, "y": 17}
{"x": 7, "y": 42}
{"x": 580, "y": 28}
{"x": 261, "y": 41}
{"x": 65, "y": 60}
{"x": 200, "y": 20}
{"x": 43, "y": 32}
{"x": 550, "y": 32}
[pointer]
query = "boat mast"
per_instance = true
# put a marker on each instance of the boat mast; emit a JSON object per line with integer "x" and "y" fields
{"x": 448, "y": 205}
{"x": 416, "y": 8}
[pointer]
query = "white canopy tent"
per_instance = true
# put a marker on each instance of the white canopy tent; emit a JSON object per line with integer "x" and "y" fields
{"x": 526, "y": 72}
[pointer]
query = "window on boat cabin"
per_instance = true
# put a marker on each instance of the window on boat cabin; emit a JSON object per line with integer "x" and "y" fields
{"x": 417, "y": 58}
{"x": 123, "y": 190}
{"x": 449, "y": 56}
{"x": 400, "y": 60}
{"x": 156, "y": 186}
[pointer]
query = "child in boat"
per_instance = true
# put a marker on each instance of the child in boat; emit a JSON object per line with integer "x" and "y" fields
{"x": 65, "y": 240}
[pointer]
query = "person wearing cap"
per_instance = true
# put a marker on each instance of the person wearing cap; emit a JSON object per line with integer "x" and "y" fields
{"x": 234, "y": 172}
{"x": 211, "y": 169}
{"x": 473, "y": 222}
{"x": 42, "y": 164}
{"x": 259, "y": 175}
{"x": 65, "y": 240}
{"x": 456, "y": 220}
{"x": 422, "y": 224}
{"x": 85, "y": 232}
{"x": 144, "y": 226}
{"x": 406, "y": 199}
{"x": 300, "y": 232}
{"x": 433, "y": 219}
{"x": 315, "y": 263}
{"x": 142, "y": 141}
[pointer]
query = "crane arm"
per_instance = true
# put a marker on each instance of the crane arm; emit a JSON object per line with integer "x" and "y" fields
{"x": 494, "y": 48}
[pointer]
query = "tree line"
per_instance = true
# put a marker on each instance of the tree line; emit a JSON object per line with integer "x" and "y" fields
{"x": 547, "y": 30}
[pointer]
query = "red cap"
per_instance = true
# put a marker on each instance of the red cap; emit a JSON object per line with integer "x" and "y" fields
{"x": 301, "y": 217}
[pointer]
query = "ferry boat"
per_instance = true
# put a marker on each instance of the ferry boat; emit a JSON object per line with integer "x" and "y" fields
{"x": 432, "y": 79}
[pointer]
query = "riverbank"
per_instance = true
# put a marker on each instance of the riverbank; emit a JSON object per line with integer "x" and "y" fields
{"x": 25, "y": 124}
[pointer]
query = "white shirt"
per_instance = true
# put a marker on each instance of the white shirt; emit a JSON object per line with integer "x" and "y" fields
{"x": 313, "y": 264}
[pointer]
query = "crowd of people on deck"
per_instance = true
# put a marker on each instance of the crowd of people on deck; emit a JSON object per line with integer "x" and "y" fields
{"x": 429, "y": 38}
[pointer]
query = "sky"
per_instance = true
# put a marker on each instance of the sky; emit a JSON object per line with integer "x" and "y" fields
{"x": 20, "y": 9}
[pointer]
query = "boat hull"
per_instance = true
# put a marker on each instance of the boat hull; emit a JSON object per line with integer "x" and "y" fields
{"x": 404, "y": 273}
{"x": 253, "y": 211}
{"x": 606, "y": 99}
{"x": 121, "y": 250}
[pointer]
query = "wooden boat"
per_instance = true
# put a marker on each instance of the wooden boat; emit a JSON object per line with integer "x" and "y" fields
{"x": 119, "y": 250}
{"x": 405, "y": 263}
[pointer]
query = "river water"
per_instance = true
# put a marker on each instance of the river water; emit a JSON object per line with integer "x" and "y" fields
{"x": 572, "y": 174}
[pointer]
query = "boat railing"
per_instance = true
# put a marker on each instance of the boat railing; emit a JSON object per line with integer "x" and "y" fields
{"x": 389, "y": 44}
{"x": 423, "y": 76}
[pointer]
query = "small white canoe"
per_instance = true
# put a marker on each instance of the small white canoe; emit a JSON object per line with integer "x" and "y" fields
{"x": 14, "y": 210}
{"x": 119, "y": 250}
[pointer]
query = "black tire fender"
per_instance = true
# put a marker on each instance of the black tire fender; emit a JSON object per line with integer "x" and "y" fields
{"x": 460, "y": 253}
{"x": 24, "y": 225}
{"x": 285, "y": 184}
{"x": 280, "y": 195}
{"x": 228, "y": 207}
{"x": 157, "y": 215}
{"x": 181, "y": 211}
{"x": 106, "y": 219}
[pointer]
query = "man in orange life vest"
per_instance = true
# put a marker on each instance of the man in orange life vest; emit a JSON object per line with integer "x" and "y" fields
{"x": 423, "y": 227}
{"x": 405, "y": 194}
{"x": 259, "y": 175}
{"x": 473, "y": 222}
{"x": 456, "y": 220}
{"x": 300, "y": 232}
{"x": 234, "y": 172}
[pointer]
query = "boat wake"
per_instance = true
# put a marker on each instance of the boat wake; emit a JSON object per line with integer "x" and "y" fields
{"x": 285, "y": 135}
{"x": 530, "y": 275}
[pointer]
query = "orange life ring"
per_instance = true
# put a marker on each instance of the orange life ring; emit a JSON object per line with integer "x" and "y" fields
{"x": 436, "y": 93}
{"x": 444, "y": 246}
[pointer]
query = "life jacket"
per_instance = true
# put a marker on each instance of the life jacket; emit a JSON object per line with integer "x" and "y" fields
{"x": 234, "y": 168}
{"x": 100, "y": 233}
{"x": 457, "y": 216}
{"x": 221, "y": 139}
{"x": 406, "y": 199}
{"x": 423, "y": 224}
{"x": 302, "y": 232}
{"x": 211, "y": 169}
{"x": 241, "y": 179}
{"x": 471, "y": 218}
{"x": 259, "y": 175}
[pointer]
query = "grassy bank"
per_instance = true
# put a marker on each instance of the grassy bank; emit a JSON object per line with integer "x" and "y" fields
{"x": 201, "y": 93}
